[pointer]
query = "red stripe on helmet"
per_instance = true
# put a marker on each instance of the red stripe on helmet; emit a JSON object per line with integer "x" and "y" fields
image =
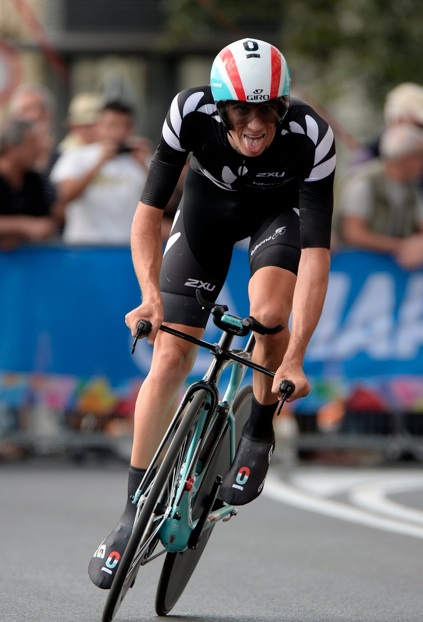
{"x": 276, "y": 72}
{"x": 233, "y": 73}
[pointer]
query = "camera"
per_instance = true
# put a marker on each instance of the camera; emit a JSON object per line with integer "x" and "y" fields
{"x": 123, "y": 148}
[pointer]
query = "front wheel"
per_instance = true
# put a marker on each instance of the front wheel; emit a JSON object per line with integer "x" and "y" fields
{"x": 179, "y": 567}
{"x": 157, "y": 500}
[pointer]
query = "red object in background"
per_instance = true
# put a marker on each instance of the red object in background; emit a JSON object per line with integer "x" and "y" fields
{"x": 10, "y": 71}
{"x": 364, "y": 399}
{"x": 39, "y": 34}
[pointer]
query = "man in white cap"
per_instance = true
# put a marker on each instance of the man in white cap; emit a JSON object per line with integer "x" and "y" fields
{"x": 381, "y": 207}
{"x": 83, "y": 113}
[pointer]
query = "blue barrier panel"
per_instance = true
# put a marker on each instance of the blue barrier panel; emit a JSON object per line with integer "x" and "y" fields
{"x": 372, "y": 323}
{"x": 370, "y": 333}
{"x": 62, "y": 316}
{"x": 63, "y": 311}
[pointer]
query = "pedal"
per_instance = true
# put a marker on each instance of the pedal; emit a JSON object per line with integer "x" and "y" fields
{"x": 231, "y": 515}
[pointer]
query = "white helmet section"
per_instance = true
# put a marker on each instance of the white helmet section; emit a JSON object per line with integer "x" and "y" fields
{"x": 249, "y": 70}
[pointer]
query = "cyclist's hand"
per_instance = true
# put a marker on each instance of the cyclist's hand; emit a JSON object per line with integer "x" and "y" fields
{"x": 295, "y": 374}
{"x": 151, "y": 312}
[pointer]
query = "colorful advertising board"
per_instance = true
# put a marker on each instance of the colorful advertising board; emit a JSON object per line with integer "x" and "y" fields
{"x": 62, "y": 324}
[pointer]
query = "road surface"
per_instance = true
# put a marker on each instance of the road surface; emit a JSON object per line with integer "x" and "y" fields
{"x": 320, "y": 545}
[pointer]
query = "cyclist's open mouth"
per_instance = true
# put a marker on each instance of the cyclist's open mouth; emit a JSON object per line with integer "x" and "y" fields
{"x": 253, "y": 143}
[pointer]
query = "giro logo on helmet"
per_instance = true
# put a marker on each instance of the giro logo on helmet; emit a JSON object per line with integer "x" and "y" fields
{"x": 260, "y": 98}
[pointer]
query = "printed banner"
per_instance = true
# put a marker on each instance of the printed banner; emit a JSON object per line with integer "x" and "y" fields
{"x": 62, "y": 318}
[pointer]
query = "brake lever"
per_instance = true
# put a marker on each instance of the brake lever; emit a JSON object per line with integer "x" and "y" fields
{"x": 286, "y": 388}
{"x": 143, "y": 328}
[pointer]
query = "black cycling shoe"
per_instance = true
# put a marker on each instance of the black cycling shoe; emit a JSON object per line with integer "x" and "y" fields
{"x": 105, "y": 561}
{"x": 245, "y": 479}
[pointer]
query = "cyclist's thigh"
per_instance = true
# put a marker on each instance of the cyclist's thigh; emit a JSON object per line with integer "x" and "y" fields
{"x": 277, "y": 242}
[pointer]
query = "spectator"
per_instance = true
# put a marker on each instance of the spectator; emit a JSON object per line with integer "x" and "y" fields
{"x": 35, "y": 102}
{"x": 101, "y": 183}
{"x": 403, "y": 104}
{"x": 381, "y": 206}
{"x": 83, "y": 113}
{"x": 25, "y": 204}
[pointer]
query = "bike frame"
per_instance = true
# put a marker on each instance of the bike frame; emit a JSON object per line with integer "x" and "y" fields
{"x": 177, "y": 527}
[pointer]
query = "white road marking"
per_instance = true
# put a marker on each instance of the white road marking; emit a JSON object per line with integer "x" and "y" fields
{"x": 372, "y": 497}
{"x": 327, "y": 483}
{"x": 306, "y": 500}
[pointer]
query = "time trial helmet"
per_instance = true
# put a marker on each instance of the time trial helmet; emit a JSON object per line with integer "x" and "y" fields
{"x": 251, "y": 71}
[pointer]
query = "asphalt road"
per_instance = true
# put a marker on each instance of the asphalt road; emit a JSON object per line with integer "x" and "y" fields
{"x": 320, "y": 545}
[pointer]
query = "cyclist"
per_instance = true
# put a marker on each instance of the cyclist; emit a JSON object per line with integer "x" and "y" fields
{"x": 261, "y": 166}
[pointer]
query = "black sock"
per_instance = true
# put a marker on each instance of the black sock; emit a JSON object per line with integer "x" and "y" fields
{"x": 259, "y": 426}
{"x": 135, "y": 476}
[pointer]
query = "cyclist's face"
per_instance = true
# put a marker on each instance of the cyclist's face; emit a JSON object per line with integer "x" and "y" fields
{"x": 253, "y": 126}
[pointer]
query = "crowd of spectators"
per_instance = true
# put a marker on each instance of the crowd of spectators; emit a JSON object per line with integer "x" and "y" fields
{"x": 84, "y": 188}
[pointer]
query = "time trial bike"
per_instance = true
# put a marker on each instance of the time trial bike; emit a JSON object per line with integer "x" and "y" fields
{"x": 178, "y": 502}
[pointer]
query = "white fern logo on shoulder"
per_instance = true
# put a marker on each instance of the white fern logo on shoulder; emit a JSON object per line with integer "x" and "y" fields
{"x": 321, "y": 168}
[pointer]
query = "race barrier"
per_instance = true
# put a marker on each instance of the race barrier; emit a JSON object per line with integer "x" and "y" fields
{"x": 67, "y": 373}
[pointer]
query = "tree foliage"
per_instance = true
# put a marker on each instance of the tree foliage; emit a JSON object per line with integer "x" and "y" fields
{"x": 195, "y": 20}
{"x": 375, "y": 42}
{"x": 332, "y": 43}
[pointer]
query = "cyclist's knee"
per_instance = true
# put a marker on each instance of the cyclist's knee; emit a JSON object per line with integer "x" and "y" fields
{"x": 171, "y": 361}
{"x": 269, "y": 345}
{"x": 270, "y": 315}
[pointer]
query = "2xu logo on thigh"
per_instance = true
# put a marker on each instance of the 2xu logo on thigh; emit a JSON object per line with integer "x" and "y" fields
{"x": 111, "y": 562}
{"x": 200, "y": 284}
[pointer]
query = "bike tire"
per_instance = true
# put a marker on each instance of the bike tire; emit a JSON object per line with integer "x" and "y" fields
{"x": 178, "y": 567}
{"x": 158, "y": 492}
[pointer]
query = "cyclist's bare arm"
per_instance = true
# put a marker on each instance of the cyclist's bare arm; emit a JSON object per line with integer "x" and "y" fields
{"x": 146, "y": 246}
{"x": 309, "y": 296}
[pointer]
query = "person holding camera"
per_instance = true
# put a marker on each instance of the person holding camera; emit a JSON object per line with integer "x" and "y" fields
{"x": 99, "y": 184}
